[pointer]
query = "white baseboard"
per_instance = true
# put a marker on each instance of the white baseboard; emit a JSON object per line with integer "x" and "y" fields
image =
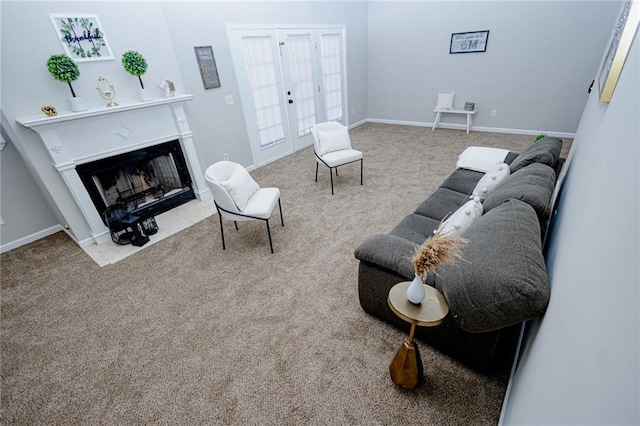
{"x": 473, "y": 128}
{"x": 30, "y": 238}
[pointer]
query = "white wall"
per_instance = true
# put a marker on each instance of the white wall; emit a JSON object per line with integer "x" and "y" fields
{"x": 539, "y": 62}
{"x": 583, "y": 366}
{"x": 221, "y": 128}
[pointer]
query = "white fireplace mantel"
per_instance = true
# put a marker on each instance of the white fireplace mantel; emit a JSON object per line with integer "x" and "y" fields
{"x": 73, "y": 138}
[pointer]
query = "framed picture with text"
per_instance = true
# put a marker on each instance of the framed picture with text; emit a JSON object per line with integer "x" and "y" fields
{"x": 82, "y": 36}
{"x": 207, "y": 67}
{"x": 469, "y": 42}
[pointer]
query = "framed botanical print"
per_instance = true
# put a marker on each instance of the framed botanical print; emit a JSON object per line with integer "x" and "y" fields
{"x": 82, "y": 36}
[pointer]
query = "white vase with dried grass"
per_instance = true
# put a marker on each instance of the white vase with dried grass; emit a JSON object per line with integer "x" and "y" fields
{"x": 440, "y": 249}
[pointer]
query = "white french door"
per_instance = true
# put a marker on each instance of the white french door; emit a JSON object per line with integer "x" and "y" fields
{"x": 289, "y": 80}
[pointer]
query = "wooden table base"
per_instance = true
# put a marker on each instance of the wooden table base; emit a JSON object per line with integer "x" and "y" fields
{"x": 406, "y": 368}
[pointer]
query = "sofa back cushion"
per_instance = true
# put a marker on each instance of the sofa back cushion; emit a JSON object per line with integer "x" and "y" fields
{"x": 532, "y": 184}
{"x": 501, "y": 279}
{"x": 545, "y": 151}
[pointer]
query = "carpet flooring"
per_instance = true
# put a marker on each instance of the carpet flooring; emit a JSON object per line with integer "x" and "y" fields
{"x": 184, "y": 332}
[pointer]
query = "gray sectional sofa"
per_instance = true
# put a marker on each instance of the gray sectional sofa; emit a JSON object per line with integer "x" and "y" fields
{"x": 502, "y": 279}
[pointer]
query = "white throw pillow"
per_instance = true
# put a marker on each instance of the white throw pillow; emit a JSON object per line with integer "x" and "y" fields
{"x": 481, "y": 158}
{"x": 491, "y": 180}
{"x": 462, "y": 218}
{"x": 240, "y": 186}
{"x": 445, "y": 101}
{"x": 334, "y": 140}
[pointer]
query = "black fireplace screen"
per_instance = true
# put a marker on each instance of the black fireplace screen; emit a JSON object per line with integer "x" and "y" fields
{"x": 147, "y": 182}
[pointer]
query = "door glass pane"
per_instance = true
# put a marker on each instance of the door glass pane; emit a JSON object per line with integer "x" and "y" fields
{"x": 261, "y": 73}
{"x": 332, "y": 75}
{"x": 300, "y": 51}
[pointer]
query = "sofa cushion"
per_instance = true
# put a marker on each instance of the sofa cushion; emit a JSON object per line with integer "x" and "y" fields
{"x": 415, "y": 228}
{"x": 532, "y": 184}
{"x": 545, "y": 151}
{"x": 491, "y": 180}
{"x": 501, "y": 279}
{"x": 443, "y": 202}
{"x": 462, "y": 180}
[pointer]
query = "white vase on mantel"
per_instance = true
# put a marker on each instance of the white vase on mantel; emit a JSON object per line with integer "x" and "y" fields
{"x": 77, "y": 104}
{"x": 415, "y": 291}
{"x": 145, "y": 95}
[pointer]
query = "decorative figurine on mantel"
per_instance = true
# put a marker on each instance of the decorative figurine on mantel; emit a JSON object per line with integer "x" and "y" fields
{"x": 106, "y": 90}
{"x": 168, "y": 88}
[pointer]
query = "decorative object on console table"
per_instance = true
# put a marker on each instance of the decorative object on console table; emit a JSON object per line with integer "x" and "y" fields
{"x": 469, "y": 42}
{"x": 135, "y": 64}
{"x": 207, "y": 67}
{"x": 62, "y": 68}
{"x": 107, "y": 91}
{"x": 621, "y": 41}
{"x": 81, "y": 36}
{"x": 415, "y": 291}
{"x": 439, "y": 249}
{"x": 469, "y": 106}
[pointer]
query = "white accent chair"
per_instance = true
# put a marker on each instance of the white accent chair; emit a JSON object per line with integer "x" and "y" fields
{"x": 332, "y": 147}
{"x": 238, "y": 197}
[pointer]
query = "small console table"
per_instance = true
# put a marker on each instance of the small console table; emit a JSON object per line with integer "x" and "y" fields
{"x": 406, "y": 367}
{"x": 439, "y": 113}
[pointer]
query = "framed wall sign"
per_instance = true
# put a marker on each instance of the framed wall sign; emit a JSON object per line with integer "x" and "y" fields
{"x": 207, "y": 66}
{"x": 474, "y": 41}
{"x": 623, "y": 35}
{"x": 82, "y": 36}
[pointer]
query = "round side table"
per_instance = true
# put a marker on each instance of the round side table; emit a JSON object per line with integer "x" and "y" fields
{"x": 406, "y": 367}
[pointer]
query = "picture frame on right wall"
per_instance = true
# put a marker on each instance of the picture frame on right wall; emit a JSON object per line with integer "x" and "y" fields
{"x": 623, "y": 35}
{"x": 469, "y": 42}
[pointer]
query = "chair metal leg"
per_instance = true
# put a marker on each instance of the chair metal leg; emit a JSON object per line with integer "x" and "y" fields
{"x": 331, "y": 174}
{"x": 221, "y": 231}
{"x": 316, "y": 171}
{"x": 280, "y": 206}
{"x": 236, "y": 223}
{"x": 269, "y": 233}
{"x": 361, "y": 168}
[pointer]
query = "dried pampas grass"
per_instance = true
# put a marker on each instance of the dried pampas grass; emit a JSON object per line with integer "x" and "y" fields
{"x": 437, "y": 250}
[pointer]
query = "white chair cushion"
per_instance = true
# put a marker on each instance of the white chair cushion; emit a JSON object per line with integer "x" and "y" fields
{"x": 240, "y": 186}
{"x": 445, "y": 101}
{"x": 481, "y": 158}
{"x": 462, "y": 218}
{"x": 334, "y": 140}
{"x": 262, "y": 203}
{"x": 491, "y": 180}
{"x": 337, "y": 158}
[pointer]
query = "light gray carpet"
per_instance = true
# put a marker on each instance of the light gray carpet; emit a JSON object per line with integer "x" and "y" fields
{"x": 184, "y": 332}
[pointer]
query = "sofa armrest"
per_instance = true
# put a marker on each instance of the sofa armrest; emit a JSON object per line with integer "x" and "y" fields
{"x": 388, "y": 251}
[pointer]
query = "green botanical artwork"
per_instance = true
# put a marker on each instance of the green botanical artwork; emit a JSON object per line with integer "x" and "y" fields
{"x": 82, "y": 37}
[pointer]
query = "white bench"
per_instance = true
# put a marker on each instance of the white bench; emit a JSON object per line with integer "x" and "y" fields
{"x": 452, "y": 111}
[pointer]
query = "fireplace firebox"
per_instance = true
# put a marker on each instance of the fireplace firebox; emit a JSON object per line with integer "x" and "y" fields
{"x": 146, "y": 182}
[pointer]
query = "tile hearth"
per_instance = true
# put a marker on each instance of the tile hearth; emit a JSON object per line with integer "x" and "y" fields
{"x": 169, "y": 223}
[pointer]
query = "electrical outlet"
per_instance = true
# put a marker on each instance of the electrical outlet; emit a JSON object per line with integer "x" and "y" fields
{"x": 228, "y": 99}
{"x": 494, "y": 112}
{"x": 225, "y": 156}
{"x": 353, "y": 111}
